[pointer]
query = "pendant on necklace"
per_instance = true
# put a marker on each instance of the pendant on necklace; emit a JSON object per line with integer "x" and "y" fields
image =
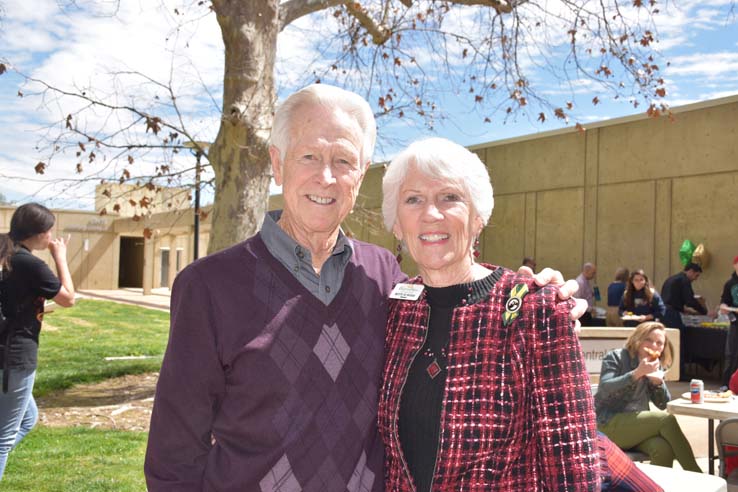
{"x": 433, "y": 369}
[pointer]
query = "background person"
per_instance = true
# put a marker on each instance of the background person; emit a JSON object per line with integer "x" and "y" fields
{"x": 26, "y": 282}
{"x": 631, "y": 378}
{"x": 641, "y": 300}
{"x": 529, "y": 262}
{"x": 679, "y": 298}
{"x": 587, "y": 291}
{"x": 729, "y": 306}
{"x": 614, "y": 295}
{"x": 678, "y": 295}
{"x": 484, "y": 376}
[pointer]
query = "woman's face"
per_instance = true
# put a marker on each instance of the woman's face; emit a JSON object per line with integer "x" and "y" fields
{"x": 639, "y": 281}
{"x": 655, "y": 340}
{"x": 438, "y": 225}
{"x": 41, "y": 240}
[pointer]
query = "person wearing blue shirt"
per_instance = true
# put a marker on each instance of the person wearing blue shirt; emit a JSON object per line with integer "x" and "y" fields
{"x": 614, "y": 294}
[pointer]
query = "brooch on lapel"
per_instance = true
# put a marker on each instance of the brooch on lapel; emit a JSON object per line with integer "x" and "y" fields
{"x": 513, "y": 304}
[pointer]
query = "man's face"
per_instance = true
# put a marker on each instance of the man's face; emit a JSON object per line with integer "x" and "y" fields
{"x": 735, "y": 267}
{"x": 322, "y": 169}
{"x": 589, "y": 273}
{"x": 692, "y": 275}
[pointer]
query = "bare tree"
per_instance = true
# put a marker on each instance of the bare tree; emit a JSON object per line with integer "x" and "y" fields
{"x": 403, "y": 55}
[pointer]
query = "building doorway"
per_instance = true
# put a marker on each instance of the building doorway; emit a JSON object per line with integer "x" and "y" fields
{"x": 131, "y": 264}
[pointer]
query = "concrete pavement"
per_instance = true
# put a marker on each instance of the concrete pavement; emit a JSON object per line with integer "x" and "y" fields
{"x": 158, "y": 299}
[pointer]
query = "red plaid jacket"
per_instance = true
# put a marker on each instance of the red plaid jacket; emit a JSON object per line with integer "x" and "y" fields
{"x": 517, "y": 410}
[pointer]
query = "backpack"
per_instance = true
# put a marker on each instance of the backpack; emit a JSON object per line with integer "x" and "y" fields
{"x": 5, "y": 337}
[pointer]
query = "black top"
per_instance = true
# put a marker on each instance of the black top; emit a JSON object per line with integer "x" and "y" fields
{"x": 730, "y": 291}
{"x": 422, "y": 395}
{"x": 24, "y": 288}
{"x": 677, "y": 293}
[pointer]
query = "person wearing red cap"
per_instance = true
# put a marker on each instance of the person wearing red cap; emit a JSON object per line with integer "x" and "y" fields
{"x": 729, "y": 305}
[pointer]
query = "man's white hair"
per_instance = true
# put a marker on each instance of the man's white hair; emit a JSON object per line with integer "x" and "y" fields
{"x": 328, "y": 96}
{"x": 438, "y": 158}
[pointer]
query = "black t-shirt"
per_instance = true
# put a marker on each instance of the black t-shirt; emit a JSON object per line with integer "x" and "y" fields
{"x": 24, "y": 289}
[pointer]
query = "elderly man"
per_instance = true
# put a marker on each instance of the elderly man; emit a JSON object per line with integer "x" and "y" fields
{"x": 586, "y": 290}
{"x": 270, "y": 379}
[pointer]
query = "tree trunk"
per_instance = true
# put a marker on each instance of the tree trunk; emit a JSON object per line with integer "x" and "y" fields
{"x": 240, "y": 154}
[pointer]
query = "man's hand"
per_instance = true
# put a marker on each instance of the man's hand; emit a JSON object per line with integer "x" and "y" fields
{"x": 549, "y": 276}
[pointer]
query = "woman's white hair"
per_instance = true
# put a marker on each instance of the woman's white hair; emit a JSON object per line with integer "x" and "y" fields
{"x": 328, "y": 96}
{"x": 438, "y": 158}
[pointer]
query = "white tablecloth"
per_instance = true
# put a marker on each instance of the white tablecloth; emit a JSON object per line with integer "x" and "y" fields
{"x": 675, "y": 480}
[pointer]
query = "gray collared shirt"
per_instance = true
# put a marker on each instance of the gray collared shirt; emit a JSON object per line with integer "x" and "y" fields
{"x": 298, "y": 260}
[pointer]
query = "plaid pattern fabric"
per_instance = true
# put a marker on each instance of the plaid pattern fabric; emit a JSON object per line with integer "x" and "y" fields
{"x": 517, "y": 410}
{"x": 618, "y": 472}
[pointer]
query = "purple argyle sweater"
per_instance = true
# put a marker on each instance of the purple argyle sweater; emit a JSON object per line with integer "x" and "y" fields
{"x": 265, "y": 388}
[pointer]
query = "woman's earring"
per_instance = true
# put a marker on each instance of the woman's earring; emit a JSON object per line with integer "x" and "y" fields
{"x": 476, "y": 248}
{"x": 399, "y": 252}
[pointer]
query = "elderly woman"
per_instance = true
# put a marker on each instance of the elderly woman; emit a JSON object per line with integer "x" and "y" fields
{"x": 630, "y": 378}
{"x": 484, "y": 383}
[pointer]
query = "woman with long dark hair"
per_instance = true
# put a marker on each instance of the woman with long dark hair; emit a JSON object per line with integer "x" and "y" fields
{"x": 25, "y": 283}
{"x": 641, "y": 301}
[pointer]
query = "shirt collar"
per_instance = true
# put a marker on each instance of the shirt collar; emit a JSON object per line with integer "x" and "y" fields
{"x": 283, "y": 246}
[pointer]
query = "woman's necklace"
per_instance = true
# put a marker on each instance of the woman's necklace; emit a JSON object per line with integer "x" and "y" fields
{"x": 434, "y": 368}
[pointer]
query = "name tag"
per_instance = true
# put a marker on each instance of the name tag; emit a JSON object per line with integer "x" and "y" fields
{"x": 407, "y": 292}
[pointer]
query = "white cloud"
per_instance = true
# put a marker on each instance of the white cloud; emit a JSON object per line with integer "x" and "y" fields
{"x": 710, "y": 65}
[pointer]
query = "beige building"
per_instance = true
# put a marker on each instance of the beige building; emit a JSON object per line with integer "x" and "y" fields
{"x": 626, "y": 192}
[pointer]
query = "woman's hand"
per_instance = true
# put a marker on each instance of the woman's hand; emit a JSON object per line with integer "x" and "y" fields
{"x": 646, "y": 367}
{"x": 655, "y": 379}
{"x": 58, "y": 246}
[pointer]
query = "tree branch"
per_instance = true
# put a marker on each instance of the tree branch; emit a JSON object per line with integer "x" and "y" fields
{"x": 292, "y": 10}
{"x": 380, "y": 33}
{"x": 501, "y": 6}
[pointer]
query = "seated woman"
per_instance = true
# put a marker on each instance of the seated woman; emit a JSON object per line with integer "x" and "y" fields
{"x": 484, "y": 385}
{"x": 641, "y": 300}
{"x": 630, "y": 378}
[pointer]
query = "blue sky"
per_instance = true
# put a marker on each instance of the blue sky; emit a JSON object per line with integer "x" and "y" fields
{"x": 83, "y": 46}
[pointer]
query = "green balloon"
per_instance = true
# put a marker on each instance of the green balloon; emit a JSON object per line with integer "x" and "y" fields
{"x": 686, "y": 251}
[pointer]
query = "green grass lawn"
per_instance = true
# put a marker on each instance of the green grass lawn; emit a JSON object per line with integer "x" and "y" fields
{"x": 73, "y": 351}
{"x": 74, "y": 348}
{"x": 77, "y": 460}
